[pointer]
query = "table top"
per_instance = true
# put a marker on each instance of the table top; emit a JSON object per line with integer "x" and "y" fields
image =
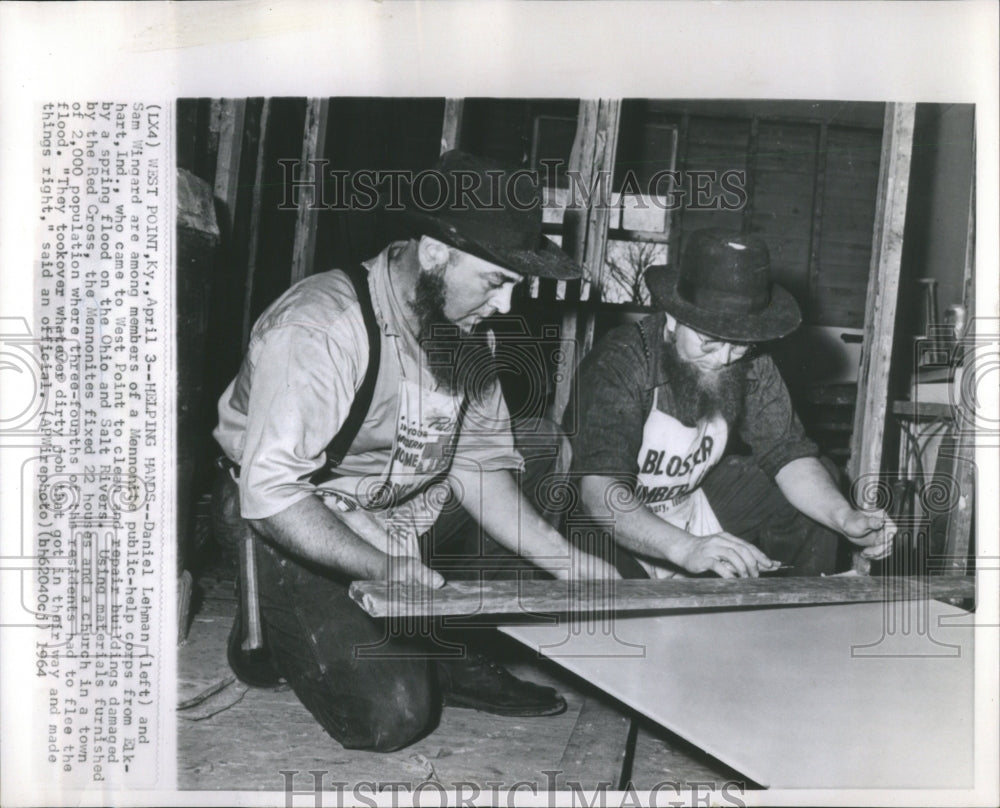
{"x": 863, "y": 695}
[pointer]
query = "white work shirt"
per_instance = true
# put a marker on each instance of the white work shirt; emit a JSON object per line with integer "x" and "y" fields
{"x": 307, "y": 357}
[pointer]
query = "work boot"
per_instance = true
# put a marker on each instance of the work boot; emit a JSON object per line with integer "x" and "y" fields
{"x": 480, "y": 683}
{"x": 253, "y": 668}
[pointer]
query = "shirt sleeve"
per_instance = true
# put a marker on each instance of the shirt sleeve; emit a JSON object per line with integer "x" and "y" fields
{"x": 485, "y": 440}
{"x": 610, "y": 407}
{"x": 304, "y": 381}
{"x": 770, "y": 426}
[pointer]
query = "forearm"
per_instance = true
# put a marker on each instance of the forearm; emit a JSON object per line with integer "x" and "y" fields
{"x": 308, "y": 529}
{"x": 495, "y": 501}
{"x": 637, "y": 529}
{"x": 810, "y": 488}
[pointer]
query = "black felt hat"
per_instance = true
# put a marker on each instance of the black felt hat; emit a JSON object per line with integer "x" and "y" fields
{"x": 723, "y": 289}
{"x": 488, "y": 211}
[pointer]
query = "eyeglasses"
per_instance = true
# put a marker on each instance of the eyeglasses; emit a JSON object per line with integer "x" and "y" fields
{"x": 709, "y": 345}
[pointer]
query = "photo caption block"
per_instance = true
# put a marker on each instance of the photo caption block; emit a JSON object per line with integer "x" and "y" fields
{"x": 104, "y": 541}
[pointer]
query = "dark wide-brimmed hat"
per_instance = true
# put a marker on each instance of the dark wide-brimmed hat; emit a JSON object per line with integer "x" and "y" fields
{"x": 488, "y": 211}
{"x": 723, "y": 289}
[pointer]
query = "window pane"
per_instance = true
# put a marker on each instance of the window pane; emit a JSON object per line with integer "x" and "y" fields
{"x": 624, "y": 265}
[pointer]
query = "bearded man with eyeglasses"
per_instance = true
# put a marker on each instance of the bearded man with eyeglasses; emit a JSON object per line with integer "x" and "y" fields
{"x": 659, "y": 402}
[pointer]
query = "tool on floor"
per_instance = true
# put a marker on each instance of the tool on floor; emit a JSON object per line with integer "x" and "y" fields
{"x": 246, "y": 586}
{"x": 252, "y": 637}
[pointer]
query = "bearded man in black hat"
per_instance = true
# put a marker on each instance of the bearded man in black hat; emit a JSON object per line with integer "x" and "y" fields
{"x": 658, "y": 401}
{"x": 405, "y": 338}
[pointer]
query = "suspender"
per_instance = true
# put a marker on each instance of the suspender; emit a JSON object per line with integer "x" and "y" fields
{"x": 337, "y": 448}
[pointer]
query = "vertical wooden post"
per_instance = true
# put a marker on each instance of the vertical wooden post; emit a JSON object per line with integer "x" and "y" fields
{"x": 599, "y": 214}
{"x": 959, "y": 525}
{"x": 313, "y": 142}
{"x": 677, "y": 214}
{"x": 585, "y": 232}
{"x": 865, "y": 461}
{"x": 227, "y": 165}
{"x": 451, "y": 128}
{"x": 258, "y": 182}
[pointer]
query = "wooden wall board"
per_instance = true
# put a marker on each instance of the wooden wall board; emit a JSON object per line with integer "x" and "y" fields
{"x": 798, "y": 697}
{"x": 533, "y": 596}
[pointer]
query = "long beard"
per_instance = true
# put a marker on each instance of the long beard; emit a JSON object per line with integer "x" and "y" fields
{"x": 461, "y": 364}
{"x": 699, "y": 395}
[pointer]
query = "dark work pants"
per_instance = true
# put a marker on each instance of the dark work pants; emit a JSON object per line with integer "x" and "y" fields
{"x": 372, "y": 684}
{"x": 749, "y": 505}
{"x": 313, "y": 632}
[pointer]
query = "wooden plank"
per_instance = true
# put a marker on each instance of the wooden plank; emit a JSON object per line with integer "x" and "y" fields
{"x": 254, "y": 236}
{"x": 617, "y": 234}
{"x": 585, "y": 229}
{"x": 969, "y": 271}
{"x": 595, "y": 752}
{"x": 451, "y": 127}
{"x": 185, "y": 584}
{"x": 573, "y": 241}
{"x": 959, "y": 530}
{"x": 805, "y": 697}
{"x": 313, "y": 142}
{"x": 676, "y": 227}
{"x": 547, "y": 597}
{"x": 883, "y": 293}
{"x": 232, "y": 113}
{"x": 850, "y": 220}
{"x": 788, "y": 149}
{"x": 959, "y": 527}
{"x": 926, "y": 410}
{"x": 598, "y": 215}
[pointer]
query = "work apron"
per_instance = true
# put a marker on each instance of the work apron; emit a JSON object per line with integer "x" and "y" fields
{"x": 398, "y": 497}
{"x": 673, "y": 460}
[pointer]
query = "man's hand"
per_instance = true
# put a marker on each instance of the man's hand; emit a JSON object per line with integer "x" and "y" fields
{"x": 873, "y": 531}
{"x": 409, "y": 570}
{"x": 726, "y": 555}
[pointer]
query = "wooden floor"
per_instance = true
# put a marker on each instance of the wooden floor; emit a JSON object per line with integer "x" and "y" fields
{"x": 234, "y": 738}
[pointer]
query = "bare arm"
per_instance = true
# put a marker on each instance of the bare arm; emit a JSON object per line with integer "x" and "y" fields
{"x": 312, "y": 531}
{"x": 809, "y": 487}
{"x": 495, "y": 501}
{"x": 641, "y": 531}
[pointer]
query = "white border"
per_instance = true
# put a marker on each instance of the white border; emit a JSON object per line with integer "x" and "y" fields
{"x": 903, "y": 51}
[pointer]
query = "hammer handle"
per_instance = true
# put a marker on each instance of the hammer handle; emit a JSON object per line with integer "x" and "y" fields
{"x": 252, "y": 636}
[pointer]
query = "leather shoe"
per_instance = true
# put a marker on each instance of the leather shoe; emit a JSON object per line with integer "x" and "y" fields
{"x": 253, "y": 668}
{"x": 480, "y": 683}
